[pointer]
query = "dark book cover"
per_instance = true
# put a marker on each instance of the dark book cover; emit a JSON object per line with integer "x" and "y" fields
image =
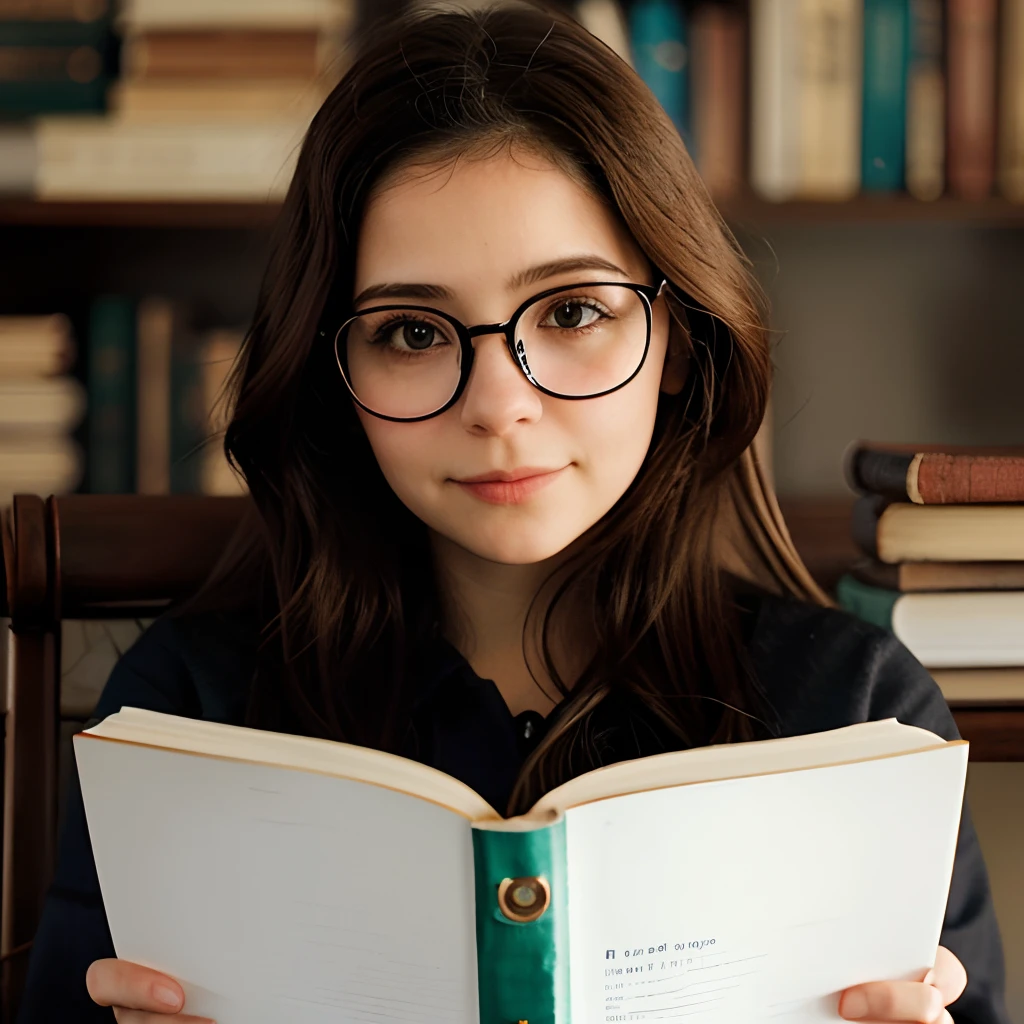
{"x": 886, "y": 60}
{"x": 110, "y": 383}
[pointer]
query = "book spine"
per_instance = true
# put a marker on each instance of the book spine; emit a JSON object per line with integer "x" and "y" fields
{"x": 864, "y": 522}
{"x": 830, "y": 98}
{"x": 660, "y": 49}
{"x": 872, "y": 604}
{"x": 49, "y": 34}
{"x": 717, "y": 97}
{"x": 968, "y": 479}
{"x": 926, "y": 102}
{"x": 880, "y": 472}
{"x": 522, "y": 965}
{"x": 188, "y": 417}
{"x": 886, "y": 55}
{"x": 775, "y": 47}
{"x": 153, "y": 426}
{"x": 111, "y": 396}
{"x": 28, "y": 98}
{"x": 1011, "y": 102}
{"x": 19, "y": 157}
{"x": 53, "y": 10}
{"x": 972, "y": 97}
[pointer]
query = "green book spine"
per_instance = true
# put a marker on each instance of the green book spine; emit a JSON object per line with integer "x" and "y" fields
{"x": 872, "y": 604}
{"x": 111, "y": 395}
{"x": 522, "y": 966}
{"x": 46, "y": 33}
{"x": 26, "y": 99}
{"x": 886, "y": 62}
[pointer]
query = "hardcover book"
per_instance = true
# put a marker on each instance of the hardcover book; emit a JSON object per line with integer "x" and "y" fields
{"x": 285, "y": 878}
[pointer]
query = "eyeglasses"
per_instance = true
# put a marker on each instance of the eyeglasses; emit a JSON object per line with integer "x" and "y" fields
{"x": 409, "y": 363}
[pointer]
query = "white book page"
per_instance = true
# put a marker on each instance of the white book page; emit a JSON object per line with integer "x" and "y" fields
{"x": 277, "y": 895}
{"x": 762, "y": 898}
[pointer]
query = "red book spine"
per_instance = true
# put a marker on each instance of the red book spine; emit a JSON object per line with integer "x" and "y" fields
{"x": 970, "y": 479}
{"x": 972, "y": 97}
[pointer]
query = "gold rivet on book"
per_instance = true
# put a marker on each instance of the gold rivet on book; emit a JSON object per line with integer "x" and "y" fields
{"x": 523, "y": 899}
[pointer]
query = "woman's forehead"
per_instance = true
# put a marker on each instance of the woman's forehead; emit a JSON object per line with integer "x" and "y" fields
{"x": 484, "y": 218}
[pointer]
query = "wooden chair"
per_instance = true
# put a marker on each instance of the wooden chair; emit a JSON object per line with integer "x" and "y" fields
{"x": 81, "y": 557}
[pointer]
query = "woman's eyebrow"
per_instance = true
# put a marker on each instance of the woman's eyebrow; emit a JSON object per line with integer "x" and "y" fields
{"x": 539, "y": 272}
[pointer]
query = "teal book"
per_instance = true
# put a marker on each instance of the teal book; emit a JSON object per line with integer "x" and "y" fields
{"x": 658, "y": 37}
{"x": 872, "y": 604}
{"x": 883, "y": 124}
{"x": 110, "y": 384}
{"x": 55, "y": 67}
{"x": 281, "y": 878}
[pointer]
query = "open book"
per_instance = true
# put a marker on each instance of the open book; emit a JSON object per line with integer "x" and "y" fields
{"x": 289, "y": 879}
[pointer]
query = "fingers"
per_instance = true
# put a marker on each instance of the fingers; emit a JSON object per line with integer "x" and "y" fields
{"x": 119, "y": 983}
{"x": 948, "y": 976}
{"x": 893, "y": 1001}
{"x": 142, "y": 1017}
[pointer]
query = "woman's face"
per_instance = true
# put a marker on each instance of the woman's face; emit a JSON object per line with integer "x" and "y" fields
{"x": 472, "y": 231}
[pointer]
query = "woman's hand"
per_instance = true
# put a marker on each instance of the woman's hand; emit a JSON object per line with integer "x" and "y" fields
{"x": 921, "y": 1001}
{"x": 137, "y": 994}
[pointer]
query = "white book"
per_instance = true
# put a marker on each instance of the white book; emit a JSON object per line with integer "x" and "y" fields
{"x": 283, "y": 878}
{"x": 99, "y": 158}
{"x": 606, "y": 20}
{"x": 831, "y": 79}
{"x": 40, "y": 405}
{"x": 962, "y": 630}
{"x": 775, "y": 115}
{"x": 39, "y": 465}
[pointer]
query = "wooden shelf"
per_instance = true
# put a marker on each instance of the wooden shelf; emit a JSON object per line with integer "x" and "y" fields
{"x": 742, "y": 212}
{"x": 138, "y": 214}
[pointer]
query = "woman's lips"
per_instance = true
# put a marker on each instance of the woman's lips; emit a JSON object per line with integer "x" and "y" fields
{"x": 509, "y": 492}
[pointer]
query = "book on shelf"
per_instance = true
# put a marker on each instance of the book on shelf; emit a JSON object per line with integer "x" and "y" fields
{"x": 98, "y": 158}
{"x": 623, "y": 885}
{"x": 1011, "y": 101}
{"x": 40, "y": 407}
{"x": 55, "y": 64}
{"x": 926, "y": 102}
{"x": 217, "y": 356}
{"x": 660, "y": 45}
{"x": 158, "y": 328}
{"x": 806, "y": 82}
{"x": 151, "y": 15}
{"x": 944, "y": 630}
{"x": 56, "y": 10}
{"x": 192, "y": 99}
{"x": 908, "y": 577}
{"x": 718, "y": 66}
{"x": 225, "y": 53}
{"x": 971, "y": 107}
{"x": 35, "y": 346}
{"x": 981, "y": 685}
{"x": 884, "y": 116}
{"x": 111, "y": 391}
{"x": 904, "y": 532}
{"x": 775, "y": 156}
{"x": 937, "y": 474}
{"x": 606, "y": 20}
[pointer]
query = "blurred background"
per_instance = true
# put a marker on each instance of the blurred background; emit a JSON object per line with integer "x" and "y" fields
{"x": 868, "y": 154}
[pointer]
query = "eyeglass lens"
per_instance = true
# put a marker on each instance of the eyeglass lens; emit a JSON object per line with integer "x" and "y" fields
{"x": 581, "y": 341}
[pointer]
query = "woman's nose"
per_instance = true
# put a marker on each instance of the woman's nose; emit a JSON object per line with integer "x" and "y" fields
{"x": 497, "y": 395}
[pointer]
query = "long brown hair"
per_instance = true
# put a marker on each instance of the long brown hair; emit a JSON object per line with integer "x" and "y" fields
{"x": 352, "y": 608}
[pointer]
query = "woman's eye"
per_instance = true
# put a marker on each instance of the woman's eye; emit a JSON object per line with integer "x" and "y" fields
{"x": 573, "y": 313}
{"x": 413, "y": 335}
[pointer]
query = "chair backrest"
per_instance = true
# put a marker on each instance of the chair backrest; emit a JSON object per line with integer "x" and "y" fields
{"x": 78, "y": 556}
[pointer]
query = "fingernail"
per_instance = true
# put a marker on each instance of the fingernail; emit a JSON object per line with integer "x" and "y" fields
{"x": 167, "y": 996}
{"x": 855, "y": 1005}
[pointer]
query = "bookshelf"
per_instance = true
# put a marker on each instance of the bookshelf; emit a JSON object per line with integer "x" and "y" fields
{"x": 747, "y": 211}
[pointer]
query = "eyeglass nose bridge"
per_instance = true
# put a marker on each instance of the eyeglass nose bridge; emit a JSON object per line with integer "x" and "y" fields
{"x": 515, "y": 348}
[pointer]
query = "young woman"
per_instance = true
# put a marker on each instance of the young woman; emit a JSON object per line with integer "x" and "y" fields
{"x": 495, "y": 413}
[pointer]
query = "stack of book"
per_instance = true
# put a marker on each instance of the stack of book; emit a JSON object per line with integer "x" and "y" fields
{"x": 944, "y": 529}
{"x": 157, "y": 404}
{"x": 40, "y": 406}
{"x": 212, "y": 103}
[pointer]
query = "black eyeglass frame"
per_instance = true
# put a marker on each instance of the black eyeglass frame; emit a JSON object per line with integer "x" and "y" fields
{"x": 516, "y": 349}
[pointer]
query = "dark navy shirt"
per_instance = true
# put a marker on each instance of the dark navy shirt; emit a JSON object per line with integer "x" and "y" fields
{"x": 820, "y": 668}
